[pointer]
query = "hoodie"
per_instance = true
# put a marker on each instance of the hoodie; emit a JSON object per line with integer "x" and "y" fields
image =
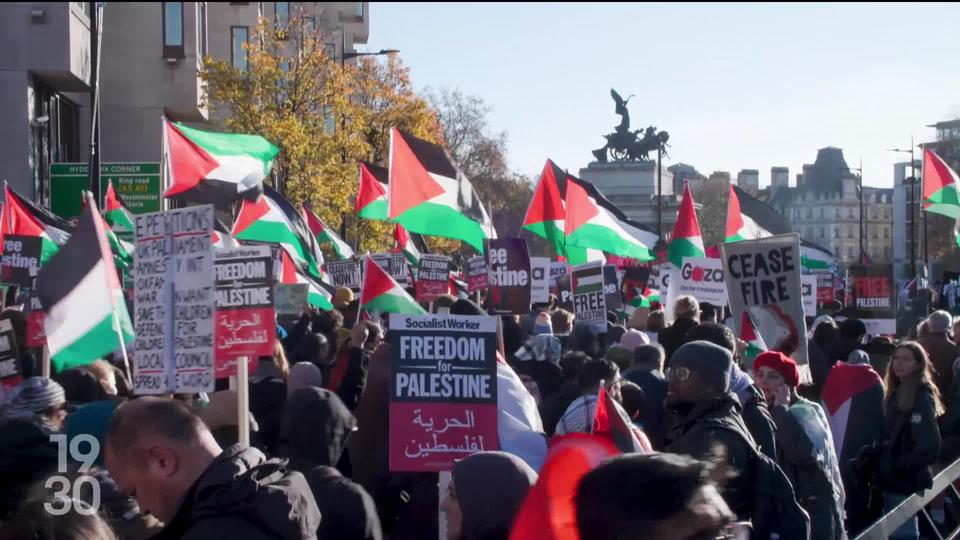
{"x": 490, "y": 488}
{"x": 242, "y": 495}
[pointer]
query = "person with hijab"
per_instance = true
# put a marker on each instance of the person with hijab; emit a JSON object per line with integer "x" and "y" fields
{"x": 268, "y": 391}
{"x": 484, "y": 495}
{"x": 303, "y": 375}
{"x": 315, "y": 432}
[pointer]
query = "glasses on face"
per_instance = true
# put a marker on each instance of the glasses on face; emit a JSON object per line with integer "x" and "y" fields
{"x": 678, "y": 373}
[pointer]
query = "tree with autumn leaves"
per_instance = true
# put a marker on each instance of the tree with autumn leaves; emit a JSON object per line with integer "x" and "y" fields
{"x": 326, "y": 117}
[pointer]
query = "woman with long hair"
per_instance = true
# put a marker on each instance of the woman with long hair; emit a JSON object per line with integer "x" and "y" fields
{"x": 911, "y": 438}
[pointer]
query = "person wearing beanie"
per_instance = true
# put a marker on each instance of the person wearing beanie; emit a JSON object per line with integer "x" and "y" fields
{"x": 805, "y": 449}
{"x": 706, "y": 415}
{"x": 940, "y": 348}
{"x": 631, "y": 339}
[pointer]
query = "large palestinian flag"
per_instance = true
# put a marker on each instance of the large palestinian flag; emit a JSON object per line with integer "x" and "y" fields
{"x": 428, "y": 194}
{"x": 686, "y": 240}
{"x": 210, "y": 167}
{"x": 318, "y": 293}
{"x": 749, "y": 218}
{"x": 940, "y": 185}
{"x": 22, "y": 217}
{"x": 271, "y": 218}
{"x": 371, "y": 202}
{"x": 594, "y": 222}
{"x": 85, "y": 314}
{"x": 380, "y": 292}
{"x": 324, "y": 234}
{"x": 546, "y": 215}
{"x": 115, "y": 211}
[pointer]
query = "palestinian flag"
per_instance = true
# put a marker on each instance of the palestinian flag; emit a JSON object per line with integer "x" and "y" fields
{"x": 749, "y": 218}
{"x": 940, "y": 185}
{"x": 686, "y": 240}
{"x": 271, "y": 218}
{"x": 848, "y": 397}
{"x": 592, "y": 221}
{"x": 318, "y": 294}
{"x": 210, "y": 167}
{"x": 546, "y": 213}
{"x": 122, "y": 250}
{"x": 814, "y": 257}
{"x": 748, "y": 333}
{"x": 379, "y": 292}
{"x": 428, "y": 194}
{"x": 371, "y": 202}
{"x": 322, "y": 234}
{"x": 406, "y": 245}
{"x": 588, "y": 279}
{"x": 22, "y": 217}
{"x": 611, "y": 421}
{"x": 115, "y": 211}
{"x": 84, "y": 311}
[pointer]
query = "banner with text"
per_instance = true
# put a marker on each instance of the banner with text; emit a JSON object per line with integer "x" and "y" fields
{"x": 36, "y": 332}
{"x": 443, "y": 391}
{"x": 10, "y": 375}
{"x": 701, "y": 278}
{"x": 589, "y": 299}
{"x": 476, "y": 273}
{"x": 763, "y": 279}
{"x": 808, "y": 285}
{"x": 246, "y": 325}
{"x": 825, "y": 289}
{"x": 345, "y": 273}
{"x": 174, "y": 302}
{"x": 539, "y": 280}
{"x": 20, "y": 260}
{"x": 433, "y": 278}
{"x": 508, "y": 267}
{"x": 611, "y": 288}
{"x": 557, "y": 269}
{"x": 873, "y": 294}
{"x": 393, "y": 263}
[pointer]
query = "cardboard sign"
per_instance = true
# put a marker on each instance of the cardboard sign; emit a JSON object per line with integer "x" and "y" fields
{"x": 508, "y": 275}
{"x": 611, "y": 288}
{"x": 539, "y": 280}
{"x": 701, "y": 278}
{"x": 443, "y": 390}
{"x": 290, "y": 299}
{"x": 344, "y": 273}
{"x": 174, "y": 302}
{"x": 589, "y": 298}
{"x": 20, "y": 260}
{"x": 477, "y": 274}
{"x": 394, "y": 264}
{"x": 9, "y": 371}
{"x": 808, "y": 286}
{"x": 873, "y": 296}
{"x": 433, "y": 277}
{"x": 763, "y": 279}
{"x": 246, "y": 325}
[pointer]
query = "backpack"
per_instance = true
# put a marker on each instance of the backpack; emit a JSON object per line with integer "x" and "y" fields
{"x": 775, "y": 510}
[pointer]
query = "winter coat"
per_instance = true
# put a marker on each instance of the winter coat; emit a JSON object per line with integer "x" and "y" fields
{"x": 651, "y": 418}
{"x": 675, "y": 335}
{"x": 268, "y": 392}
{"x": 756, "y": 416}
{"x": 243, "y": 495}
{"x": 718, "y": 422}
{"x": 942, "y": 352}
{"x": 348, "y": 512}
{"x": 553, "y": 407}
{"x": 316, "y": 429}
{"x": 911, "y": 443}
{"x": 26, "y": 455}
{"x": 821, "y": 361}
{"x": 806, "y": 454}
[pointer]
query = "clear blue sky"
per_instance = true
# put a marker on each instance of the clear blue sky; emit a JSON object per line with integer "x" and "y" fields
{"x": 737, "y": 86}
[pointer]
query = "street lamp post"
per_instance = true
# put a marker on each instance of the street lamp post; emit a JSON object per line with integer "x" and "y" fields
{"x": 910, "y": 206}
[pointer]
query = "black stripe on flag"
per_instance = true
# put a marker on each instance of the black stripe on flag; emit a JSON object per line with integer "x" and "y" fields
{"x": 605, "y": 203}
{"x": 382, "y": 174}
{"x": 560, "y": 176}
{"x": 432, "y": 156}
{"x": 67, "y": 268}
{"x": 45, "y": 216}
{"x": 764, "y": 215}
{"x": 295, "y": 218}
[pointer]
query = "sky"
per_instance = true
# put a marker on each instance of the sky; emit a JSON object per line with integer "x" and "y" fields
{"x": 737, "y": 86}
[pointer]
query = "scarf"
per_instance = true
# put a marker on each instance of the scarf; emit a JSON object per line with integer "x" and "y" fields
{"x": 907, "y": 392}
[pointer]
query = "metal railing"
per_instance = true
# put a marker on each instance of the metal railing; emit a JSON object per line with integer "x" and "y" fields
{"x": 916, "y": 505}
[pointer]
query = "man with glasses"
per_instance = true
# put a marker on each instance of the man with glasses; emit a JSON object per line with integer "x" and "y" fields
{"x": 706, "y": 417}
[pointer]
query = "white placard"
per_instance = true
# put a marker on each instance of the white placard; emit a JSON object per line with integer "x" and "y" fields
{"x": 539, "y": 280}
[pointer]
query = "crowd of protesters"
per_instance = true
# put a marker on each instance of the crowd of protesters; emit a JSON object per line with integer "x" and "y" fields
{"x": 734, "y": 439}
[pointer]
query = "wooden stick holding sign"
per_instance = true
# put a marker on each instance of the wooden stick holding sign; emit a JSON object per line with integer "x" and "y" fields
{"x": 243, "y": 400}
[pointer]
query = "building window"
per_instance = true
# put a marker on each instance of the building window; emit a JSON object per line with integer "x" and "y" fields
{"x": 173, "y": 30}
{"x": 55, "y": 131}
{"x": 821, "y": 212}
{"x": 358, "y": 10}
{"x": 836, "y": 232}
{"x": 850, "y": 252}
{"x": 331, "y": 50}
{"x": 850, "y": 232}
{"x": 330, "y": 123}
{"x": 201, "y": 30}
{"x": 310, "y": 25}
{"x": 809, "y": 213}
{"x": 238, "y": 53}
{"x": 875, "y": 233}
{"x": 281, "y": 14}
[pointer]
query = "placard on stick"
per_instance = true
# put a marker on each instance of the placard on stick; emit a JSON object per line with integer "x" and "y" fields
{"x": 433, "y": 277}
{"x": 508, "y": 265}
{"x": 477, "y": 274}
{"x": 245, "y": 325}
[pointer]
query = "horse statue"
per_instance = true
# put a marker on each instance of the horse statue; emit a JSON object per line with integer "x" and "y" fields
{"x": 626, "y": 145}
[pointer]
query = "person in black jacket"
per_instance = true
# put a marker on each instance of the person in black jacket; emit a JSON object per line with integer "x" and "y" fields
{"x": 911, "y": 438}
{"x": 268, "y": 391}
{"x": 160, "y": 452}
{"x": 686, "y": 313}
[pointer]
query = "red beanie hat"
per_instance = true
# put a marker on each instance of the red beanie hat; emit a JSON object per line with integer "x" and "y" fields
{"x": 781, "y": 363}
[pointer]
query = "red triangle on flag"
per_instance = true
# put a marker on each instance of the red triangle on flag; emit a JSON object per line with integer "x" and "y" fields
{"x": 17, "y": 219}
{"x": 734, "y": 219}
{"x": 546, "y": 203}
{"x": 580, "y": 209}
{"x": 370, "y": 189}
{"x": 375, "y": 281}
{"x": 111, "y": 200}
{"x": 410, "y": 183}
{"x": 250, "y": 212}
{"x": 687, "y": 225}
{"x": 313, "y": 222}
{"x": 189, "y": 163}
{"x": 747, "y": 331}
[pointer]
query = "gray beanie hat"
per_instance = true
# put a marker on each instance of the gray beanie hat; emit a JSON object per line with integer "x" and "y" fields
{"x": 712, "y": 362}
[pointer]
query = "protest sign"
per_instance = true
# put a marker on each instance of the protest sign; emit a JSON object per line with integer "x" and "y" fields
{"x": 21, "y": 259}
{"x": 433, "y": 277}
{"x": 611, "y": 288}
{"x": 564, "y": 294}
{"x": 9, "y": 372}
{"x": 808, "y": 288}
{"x": 174, "y": 302}
{"x": 290, "y": 298}
{"x": 508, "y": 265}
{"x": 539, "y": 280}
{"x": 589, "y": 300}
{"x": 476, "y": 273}
{"x": 557, "y": 269}
{"x": 443, "y": 391}
{"x": 825, "y": 290}
{"x": 701, "y": 278}
{"x": 36, "y": 332}
{"x": 246, "y": 325}
{"x": 634, "y": 283}
{"x": 763, "y": 278}
{"x": 873, "y": 296}
{"x": 344, "y": 273}
{"x": 393, "y": 263}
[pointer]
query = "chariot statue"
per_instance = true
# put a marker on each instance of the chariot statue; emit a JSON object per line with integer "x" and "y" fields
{"x": 626, "y": 145}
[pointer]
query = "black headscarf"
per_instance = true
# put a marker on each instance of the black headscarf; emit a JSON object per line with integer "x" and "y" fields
{"x": 316, "y": 427}
{"x": 490, "y": 488}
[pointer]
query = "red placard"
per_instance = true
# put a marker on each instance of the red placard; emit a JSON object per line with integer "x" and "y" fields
{"x": 433, "y": 277}
{"x": 477, "y": 274}
{"x": 429, "y": 436}
{"x": 243, "y": 332}
{"x": 245, "y": 322}
{"x": 825, "y": 290}
{"x": 36, "y": 333}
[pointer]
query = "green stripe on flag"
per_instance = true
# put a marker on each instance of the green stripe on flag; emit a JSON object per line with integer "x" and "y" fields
{"x": 100, "y": 340}
{"x": 590, "y": 235}
{"x": 376, "y": 210}
{"x": 394, "y": 303}
{"x": 439, "y": 220}
{"x": 683, "y": 247}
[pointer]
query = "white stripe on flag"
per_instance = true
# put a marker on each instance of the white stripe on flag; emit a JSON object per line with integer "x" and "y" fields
{"x": 83, "y": 308}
